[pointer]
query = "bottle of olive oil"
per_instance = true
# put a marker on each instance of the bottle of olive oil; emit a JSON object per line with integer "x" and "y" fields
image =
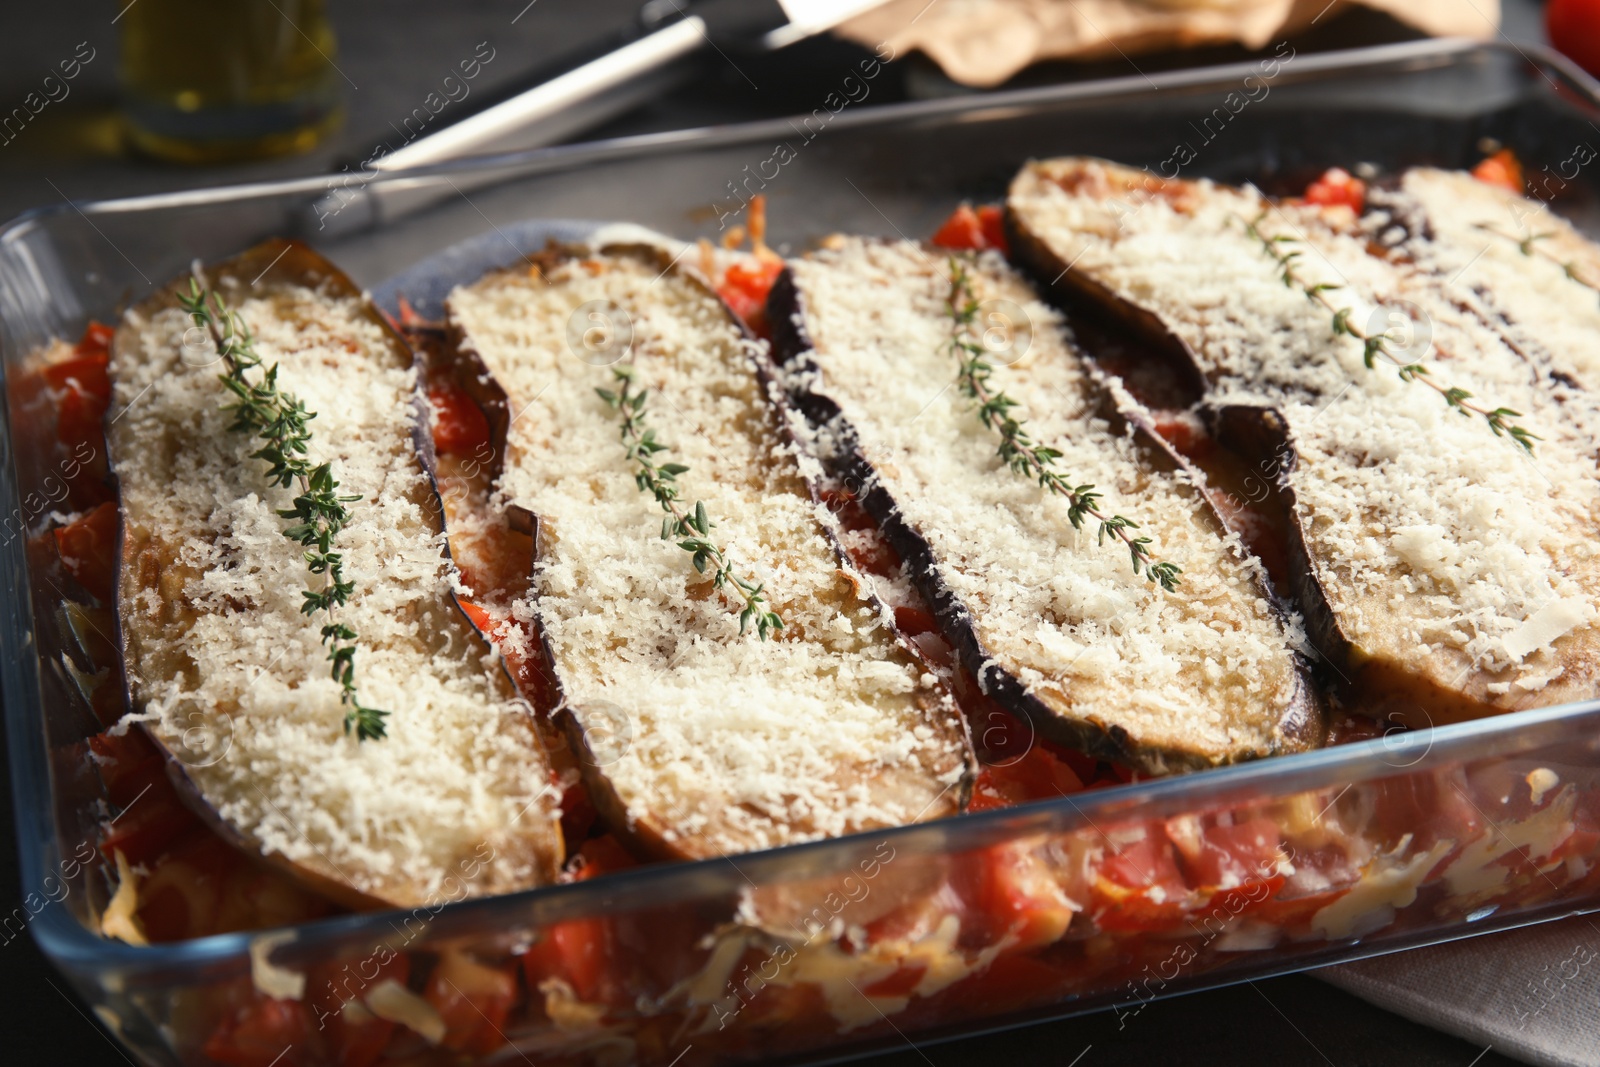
{"x": 213, "y": 81}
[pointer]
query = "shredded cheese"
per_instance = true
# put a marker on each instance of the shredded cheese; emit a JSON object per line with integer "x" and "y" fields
{"x": 732, "y": 743}
{"x": 217, "y": 644}
{"x": 1432, "y": 541}
{"x": 1201, "y": 674}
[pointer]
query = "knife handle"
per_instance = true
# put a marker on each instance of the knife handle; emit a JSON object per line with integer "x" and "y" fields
{"x": 580, "y": 98}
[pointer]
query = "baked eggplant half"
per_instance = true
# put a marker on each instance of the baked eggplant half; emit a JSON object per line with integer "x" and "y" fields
{"x": 1046, "y": 610}
{"x": 702, "y": 727}
{"x": 1443, "y": 540}
{"x": 1523, "y": 271}
{"x": 227, "y": 672}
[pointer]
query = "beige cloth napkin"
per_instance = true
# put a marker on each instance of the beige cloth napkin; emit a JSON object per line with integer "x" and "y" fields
{"x": 984, "y": 42}
{"x": 1531, "y": 994}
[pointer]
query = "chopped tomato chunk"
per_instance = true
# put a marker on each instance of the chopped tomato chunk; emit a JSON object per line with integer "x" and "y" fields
{"x": 1037, "y": 775}
{"x": 263, "y": 1033}
{"x": 961, "y": 230}
{"x": 1013, "y": 892}
{"x": 745, "y": 287}
{"x": 478, "y": 616}
{"x": 1139, "y": 886}
{"x": 578, "y": 950}
{"x": 88, "y": 549}
{"x": 473, "y": 999}
{"x": 1502, "y": 169}
{"x": 81, "y": 389}
{"x": 973, "y": 230}
{"x": 991, "y": 221}
{"x": 914, "y": 620}
{"x": 1338, "y": 186}
{"x": 459, "y": 425}
{"x": 337, "y": 994}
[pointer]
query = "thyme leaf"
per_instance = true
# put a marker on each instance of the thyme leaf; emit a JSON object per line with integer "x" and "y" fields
{"x": 1020, "y": 452}
{"x": 1528, "y": 246}
{"x": 1374, "y": 345}
{"x": 690, "y": 528}
{"x": 280, "y": 421}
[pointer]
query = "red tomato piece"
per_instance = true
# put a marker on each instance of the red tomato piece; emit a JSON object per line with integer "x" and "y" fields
{"x": 96, "y": 340}
{"x": 355, "y": 1036}
{"x": 473, "y": 999}
{"x": 1011, "y": 893}
{"x": 577, "y": 951}
{"x": 1139, "y": 885}
{"x": 82, "y": 392}
{"x": 991, "y": 222}
{"x": 127, "y": 764}
{"x": 263, "y": 1033}
{"x": 1037, "y": 775}
{"x": 459, "y": 425}
{"x": 1338, "y": 186}
{"x": 88, "y": 549}
{"x": 962, "y": 230}
{"x": 143, "y": 830}
{"x": 1574, "y": 28}
{"x": 1502, "y": 169}
{"x": 745, "y": 287}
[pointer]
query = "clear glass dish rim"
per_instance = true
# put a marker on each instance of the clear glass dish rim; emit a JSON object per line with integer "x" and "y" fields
{"x": 79, "y": 950}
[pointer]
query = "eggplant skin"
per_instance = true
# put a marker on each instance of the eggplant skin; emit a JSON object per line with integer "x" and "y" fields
{"x": 1302, "y": 722}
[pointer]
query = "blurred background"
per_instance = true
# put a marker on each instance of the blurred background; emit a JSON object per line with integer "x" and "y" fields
{"x": 109, "y": 98}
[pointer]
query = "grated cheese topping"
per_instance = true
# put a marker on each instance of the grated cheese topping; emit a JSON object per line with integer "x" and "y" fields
{"x": 1432, "y": 541}
{"x": 219, "y": 651}
{"x": 720, "y": 742}
{"x": 1202, "y": 674}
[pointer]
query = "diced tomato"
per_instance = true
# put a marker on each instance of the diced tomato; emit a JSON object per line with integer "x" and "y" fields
{"x": 264, "y": 1033}
{"x": 473, "y": 999}
{"x": 1138, "y": 885}
{"x": 96, "y": 340}
{"x": 745, "y": 287}
{"x": 1037, "y": 775}
{"x": 577, "y": 951}
{"x": 144, "y": 829}
{"x": 459, "y": 425}
{"x": 126, "y": 764}
{"x": 973, "y": 230}
{"x": 337, "y": 993}
{"x": 88, "y": 549}
{"x": 1232, "y": 855}
{"x": 81, "y": 389}
{"x": 1502, "y": 169}
{"x": 1338, "y": 186}
{"x": 991, "y": 223}
{"x": 961, "y": 230}
{"x": 1012, "y": 893}
{"x": 578, "y": 815}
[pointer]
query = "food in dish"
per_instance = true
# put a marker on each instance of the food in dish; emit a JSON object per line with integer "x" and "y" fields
{"x": 218, "y": 646}
{"x": 1442, "y": 508}
{"x": 728, "y": 682}
{"x": 1057, "y": 611}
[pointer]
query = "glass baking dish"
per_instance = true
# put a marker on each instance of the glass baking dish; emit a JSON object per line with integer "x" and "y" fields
{"x": 841, "y": 947}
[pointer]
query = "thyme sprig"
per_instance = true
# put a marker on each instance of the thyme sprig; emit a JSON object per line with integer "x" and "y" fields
{"x": 691, "y": 529}
{"x": 279, "y": 419}
{"x": 1377, "y": 344}
{"x": 1018, "y": 449}
{"x": 1529, "y": 247}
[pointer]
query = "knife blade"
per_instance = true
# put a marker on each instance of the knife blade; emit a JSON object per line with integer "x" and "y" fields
{"x": 652, "y": 55}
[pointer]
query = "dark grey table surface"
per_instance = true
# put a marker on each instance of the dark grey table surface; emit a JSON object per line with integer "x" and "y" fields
{"x": 392, "y": 52}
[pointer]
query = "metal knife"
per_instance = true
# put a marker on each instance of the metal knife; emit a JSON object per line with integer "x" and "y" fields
{"x": 651, "y": 56}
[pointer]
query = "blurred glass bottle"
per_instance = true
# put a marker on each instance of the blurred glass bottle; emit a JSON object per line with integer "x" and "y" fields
{"x": 211, "y": 81}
